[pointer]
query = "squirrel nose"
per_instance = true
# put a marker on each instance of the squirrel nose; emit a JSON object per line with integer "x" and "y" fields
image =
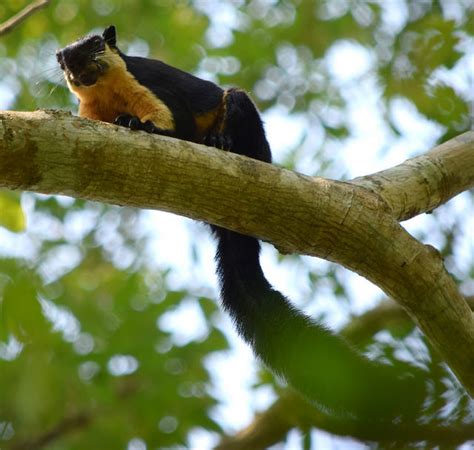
{"x": 60, "y": 58}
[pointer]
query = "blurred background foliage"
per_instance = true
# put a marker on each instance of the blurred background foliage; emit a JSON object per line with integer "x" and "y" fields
{"x": 104, "y": 343}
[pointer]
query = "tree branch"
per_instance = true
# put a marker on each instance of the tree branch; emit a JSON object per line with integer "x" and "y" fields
{"x": 55, "y": 153}
{"x": 291, "y": 410}
{"x": 67, "y": 425}
{"x": 26, "y": 12}
{"x": 423, "y": 183}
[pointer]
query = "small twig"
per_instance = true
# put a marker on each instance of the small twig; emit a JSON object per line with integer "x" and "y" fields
{"x": 11, "y": 23}
{"x": 67, "y": 425}
{"x": 72, "y": 423}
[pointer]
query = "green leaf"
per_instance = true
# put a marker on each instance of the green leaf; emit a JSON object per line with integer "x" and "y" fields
{"x": 11, "y": 213}
{"x": 21, "y": 310}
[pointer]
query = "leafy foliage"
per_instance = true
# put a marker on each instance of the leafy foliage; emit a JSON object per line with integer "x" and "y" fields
{"x": 84, "y": 356}
{"x": 12, "y": 216}
{"x": 87, "y": 344}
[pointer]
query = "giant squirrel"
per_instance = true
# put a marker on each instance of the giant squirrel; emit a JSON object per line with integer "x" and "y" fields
{"x": 149, "y": 95}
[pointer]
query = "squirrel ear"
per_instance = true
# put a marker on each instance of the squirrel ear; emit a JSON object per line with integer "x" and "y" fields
{"x": 110, "y": 36}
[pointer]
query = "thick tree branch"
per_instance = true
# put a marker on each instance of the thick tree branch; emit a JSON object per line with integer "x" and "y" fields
{"x": 26, "y": 12}
{"x": 423, "y": 183}
{"x": 56, "y": 153}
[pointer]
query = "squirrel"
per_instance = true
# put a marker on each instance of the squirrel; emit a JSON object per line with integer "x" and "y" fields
{"x": 149, "y": 95}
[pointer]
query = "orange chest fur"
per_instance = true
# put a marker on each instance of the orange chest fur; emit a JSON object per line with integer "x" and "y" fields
{"x": 118, "y": 92}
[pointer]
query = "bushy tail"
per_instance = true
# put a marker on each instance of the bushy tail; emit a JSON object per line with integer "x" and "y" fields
{"x": 312, "y": 359}
{"x": 318, "y": 363}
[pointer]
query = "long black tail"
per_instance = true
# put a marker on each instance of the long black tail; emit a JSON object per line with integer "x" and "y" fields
{"x": 312, "y": 359}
